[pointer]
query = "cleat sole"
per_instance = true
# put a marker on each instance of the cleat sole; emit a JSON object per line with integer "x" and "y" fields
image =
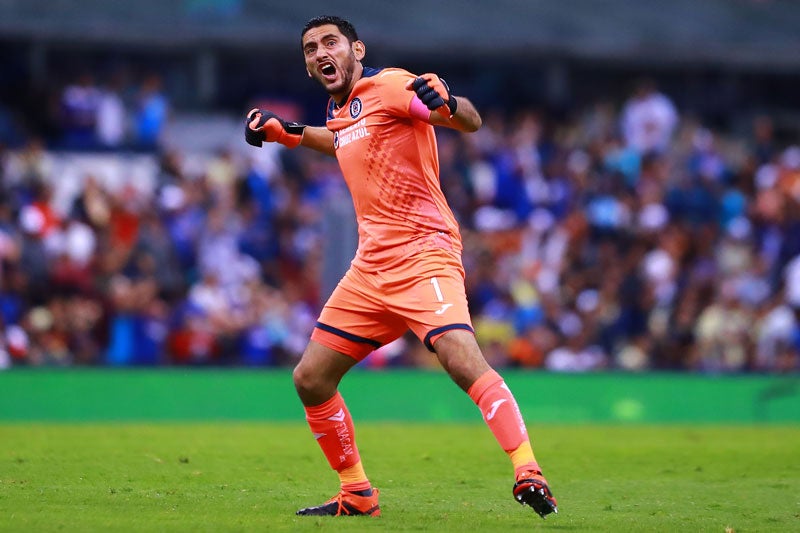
{"x": 537, "y": 497}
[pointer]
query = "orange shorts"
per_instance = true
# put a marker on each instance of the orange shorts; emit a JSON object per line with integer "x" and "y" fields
{"x": 369, "y": 309}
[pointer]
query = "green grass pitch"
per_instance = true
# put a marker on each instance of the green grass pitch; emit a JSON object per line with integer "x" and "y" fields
{"x": 433, "y": 477}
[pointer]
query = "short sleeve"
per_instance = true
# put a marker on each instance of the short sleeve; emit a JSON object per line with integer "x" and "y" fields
{"x": 396, "y": 99}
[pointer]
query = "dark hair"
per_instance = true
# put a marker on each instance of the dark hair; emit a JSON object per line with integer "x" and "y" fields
{"x": 347, "y": 29}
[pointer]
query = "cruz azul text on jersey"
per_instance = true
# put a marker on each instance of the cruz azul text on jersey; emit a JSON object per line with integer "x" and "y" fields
{"x": 351, "y": 133}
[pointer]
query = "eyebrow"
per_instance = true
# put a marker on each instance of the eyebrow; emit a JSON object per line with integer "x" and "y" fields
{"x": 326, "y": 36}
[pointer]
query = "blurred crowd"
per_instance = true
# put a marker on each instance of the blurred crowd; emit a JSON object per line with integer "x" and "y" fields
{"x": 624, "y": 235}
{"x": 120, "y": 110}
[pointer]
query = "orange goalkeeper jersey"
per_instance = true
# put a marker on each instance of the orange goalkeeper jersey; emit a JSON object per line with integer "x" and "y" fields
{"x": 388, "y": 156}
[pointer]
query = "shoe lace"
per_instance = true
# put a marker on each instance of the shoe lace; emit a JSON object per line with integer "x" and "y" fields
{"x": 339, "y": 501}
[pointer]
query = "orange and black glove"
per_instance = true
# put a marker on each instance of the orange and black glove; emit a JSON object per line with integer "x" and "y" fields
{"x": 262, "y": 125}
{"x": 434, "y": 93}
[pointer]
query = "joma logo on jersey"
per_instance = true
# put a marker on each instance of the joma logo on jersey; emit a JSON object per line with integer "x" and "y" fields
{"x": 355, "y": 108}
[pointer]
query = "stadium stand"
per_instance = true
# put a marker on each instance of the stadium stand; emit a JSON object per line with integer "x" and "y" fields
{"x": 137, "y": 228}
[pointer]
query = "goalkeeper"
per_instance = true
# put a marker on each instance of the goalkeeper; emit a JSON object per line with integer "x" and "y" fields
{"x": 407, "y": 271}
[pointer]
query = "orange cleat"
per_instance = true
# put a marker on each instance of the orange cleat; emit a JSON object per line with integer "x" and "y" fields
{"x": 346, "y": 504}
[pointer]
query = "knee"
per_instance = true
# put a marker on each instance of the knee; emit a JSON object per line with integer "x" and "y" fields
{"x": 318, "y": 373}
{"x": 313, "y": 385}
{"x": 305, "y": 379}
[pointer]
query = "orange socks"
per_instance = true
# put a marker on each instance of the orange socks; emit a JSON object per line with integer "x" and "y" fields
{"x": 353, "y": 479}
{"x": 332, "y": 426}
{"x": 501, "y": 414}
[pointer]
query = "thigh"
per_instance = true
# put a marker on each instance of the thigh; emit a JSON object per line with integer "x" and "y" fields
{"x": 434, "y": 299}
{"x": 355, "y": 320}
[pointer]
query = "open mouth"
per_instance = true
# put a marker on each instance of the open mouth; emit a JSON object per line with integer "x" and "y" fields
{"x": 327, "y": 70}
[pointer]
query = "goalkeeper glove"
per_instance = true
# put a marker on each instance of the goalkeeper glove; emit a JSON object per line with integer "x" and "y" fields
{"x": 434, "y": 93}
{"x": 262, "y": 125}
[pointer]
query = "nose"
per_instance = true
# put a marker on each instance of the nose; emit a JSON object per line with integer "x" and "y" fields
{"x": 320, "y": 54}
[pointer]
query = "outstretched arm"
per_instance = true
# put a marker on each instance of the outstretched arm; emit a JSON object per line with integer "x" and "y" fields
{"x": 262, "y": 125}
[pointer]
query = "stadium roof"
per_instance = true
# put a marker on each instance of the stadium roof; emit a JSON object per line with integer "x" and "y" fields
{"x": 756, "y": 33}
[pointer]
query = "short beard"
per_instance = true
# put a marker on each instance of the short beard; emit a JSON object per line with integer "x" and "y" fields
{"x": 346, "y": 72}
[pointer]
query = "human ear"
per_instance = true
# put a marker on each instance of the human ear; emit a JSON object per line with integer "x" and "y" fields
{"x": 359, "y": 50}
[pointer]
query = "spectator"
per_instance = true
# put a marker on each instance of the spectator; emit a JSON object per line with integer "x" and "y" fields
{"x": 112, "y": 115}
{"x": 648, "y": 119}
{"x": 152, "y": 112}
{"x": 722, "y": 334}
{"x": 80, "y": 102}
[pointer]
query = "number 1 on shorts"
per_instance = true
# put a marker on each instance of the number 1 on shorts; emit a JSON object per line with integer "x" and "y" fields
{"x": 435, "y": 283}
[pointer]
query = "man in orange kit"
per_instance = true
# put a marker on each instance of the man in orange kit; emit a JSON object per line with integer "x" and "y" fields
{"x": 407, "y": 272}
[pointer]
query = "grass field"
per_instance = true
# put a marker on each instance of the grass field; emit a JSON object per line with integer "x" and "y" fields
{"x": 252, "y": 477}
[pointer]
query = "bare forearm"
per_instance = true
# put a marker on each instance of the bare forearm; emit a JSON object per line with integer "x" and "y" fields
{"x": 466, "y": 118}
{"x": 319, "y": 139}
